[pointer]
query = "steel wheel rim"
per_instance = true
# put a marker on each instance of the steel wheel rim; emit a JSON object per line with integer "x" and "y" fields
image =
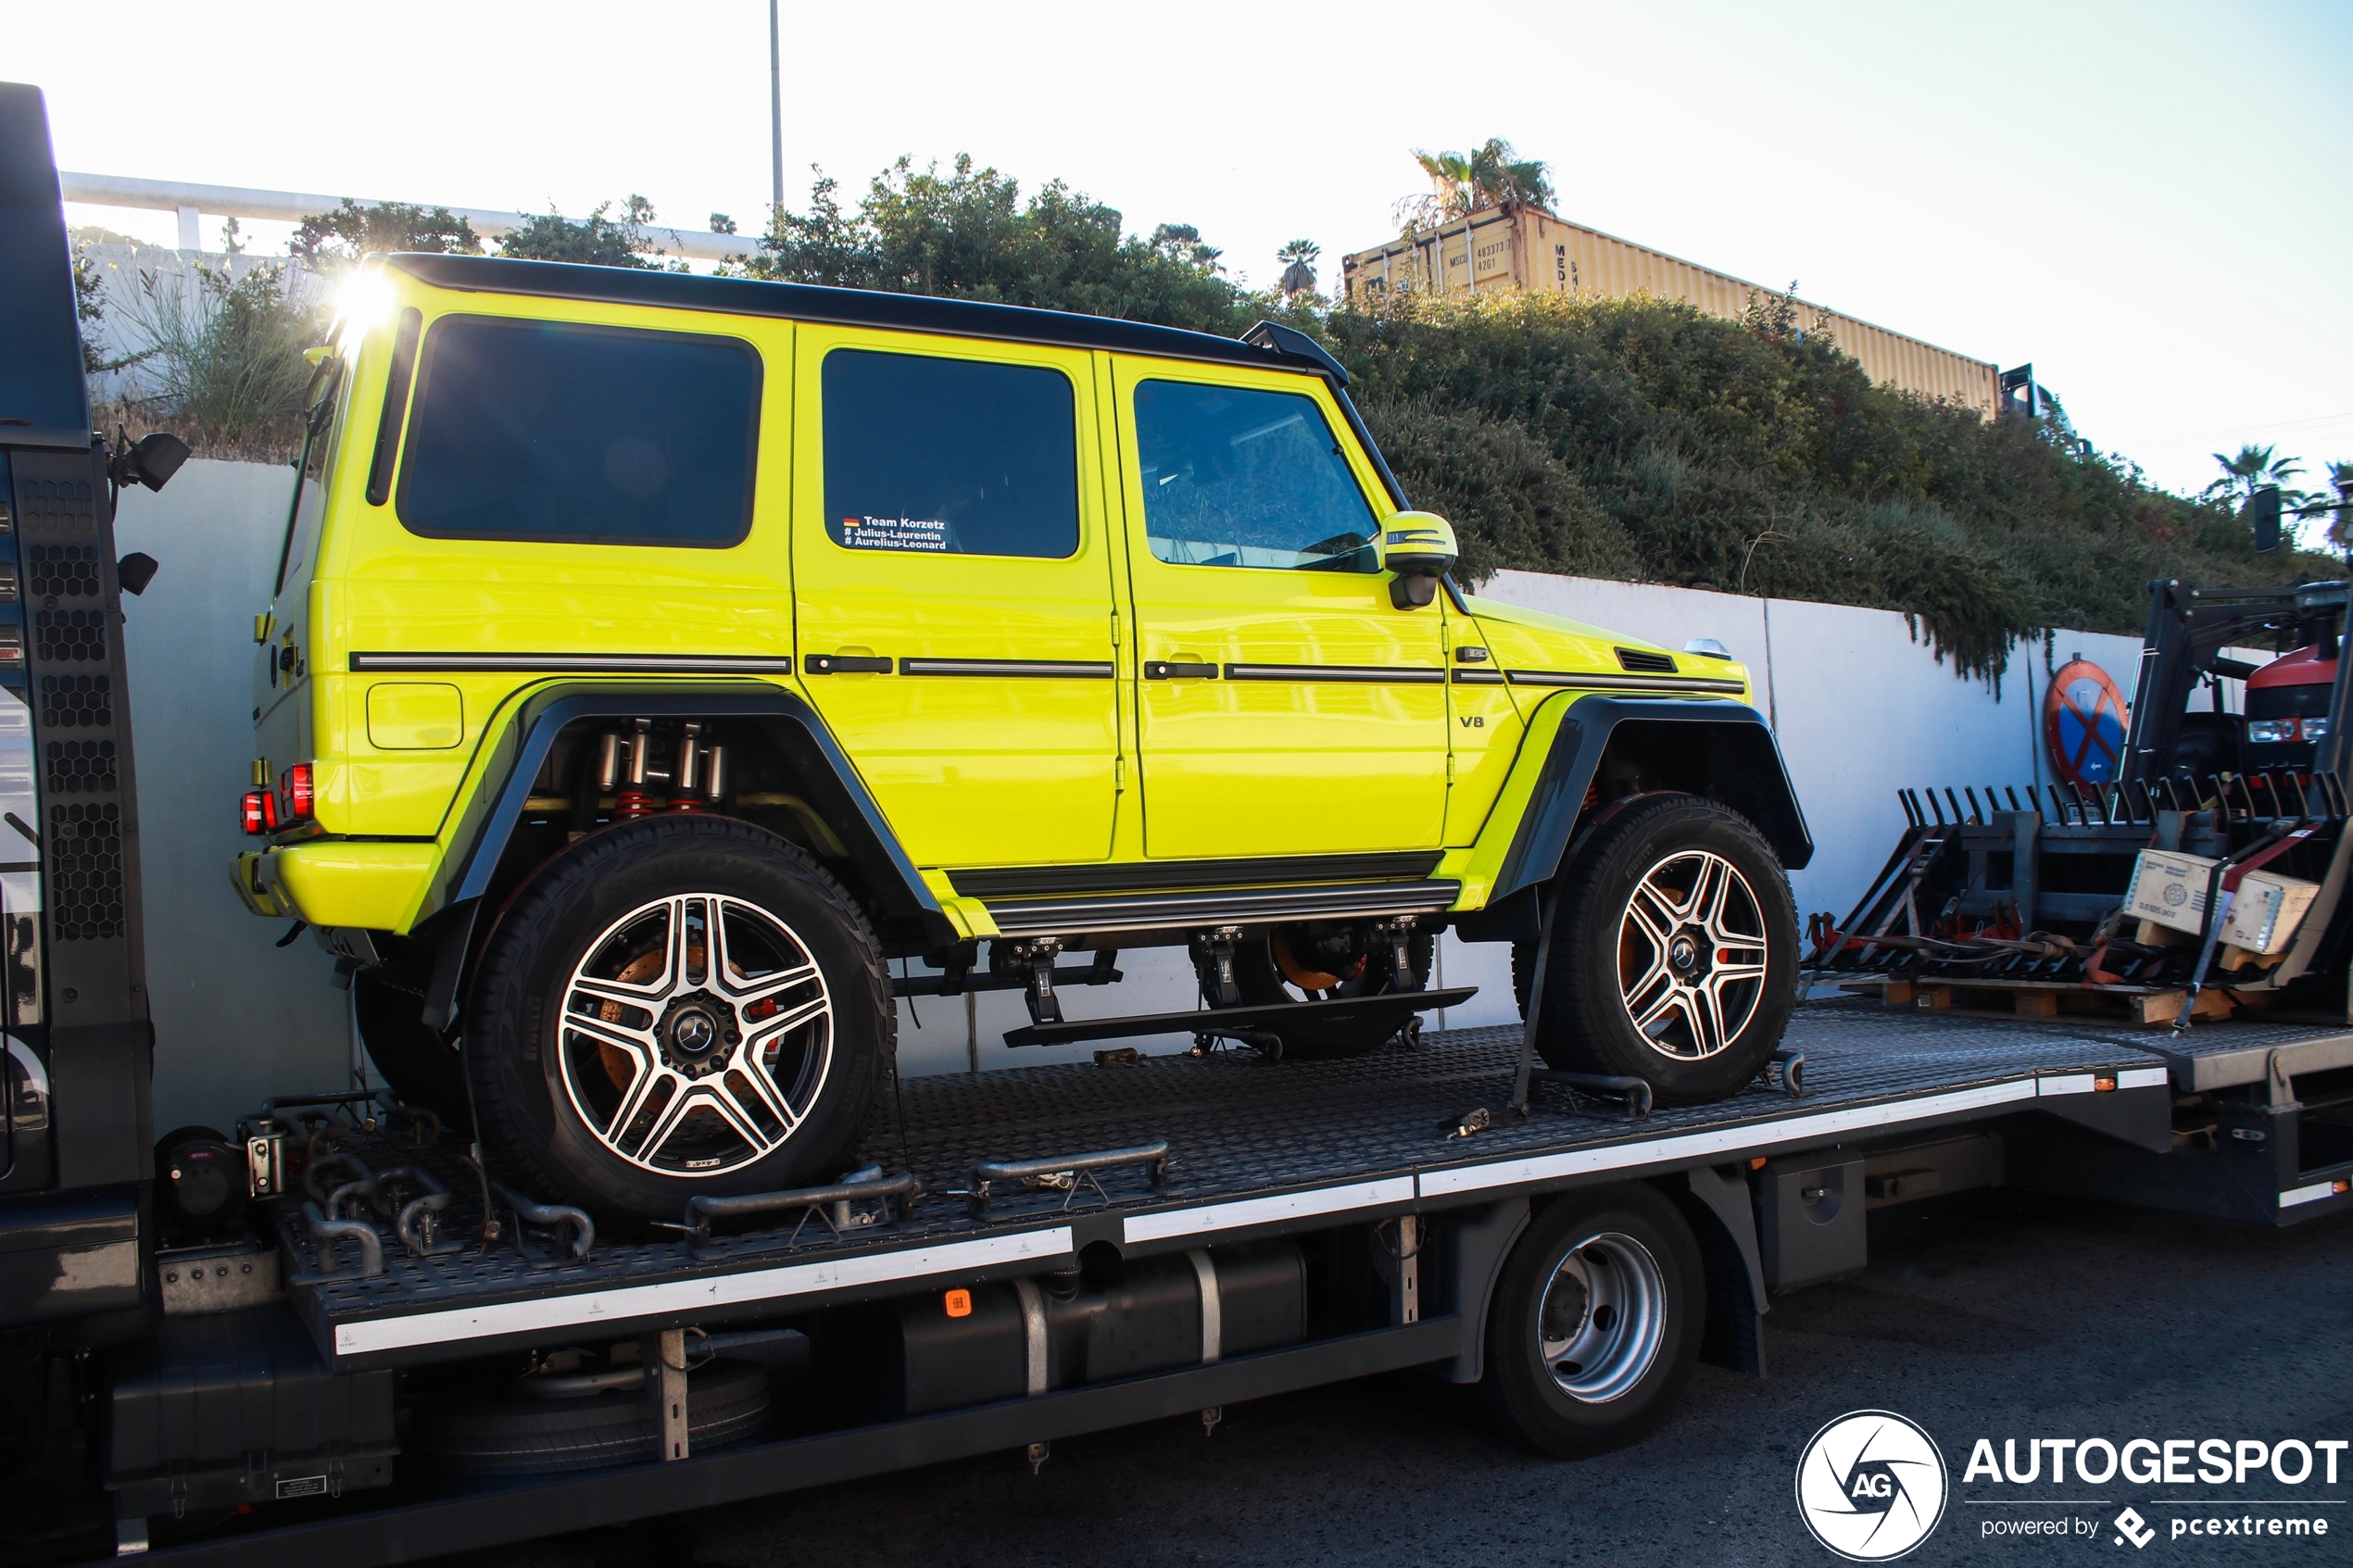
{"x": 1603, "y": 1318}
{"x": 697, "y": 1033}
{"x": 1691, "y": 954}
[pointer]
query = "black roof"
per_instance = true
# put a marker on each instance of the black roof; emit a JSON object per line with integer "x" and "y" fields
{"x": 1267, "y": 346}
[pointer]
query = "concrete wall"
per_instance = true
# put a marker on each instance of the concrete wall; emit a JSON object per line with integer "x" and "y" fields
{"x": 1860, "y": 705}
{"x": 236, "y": 1018}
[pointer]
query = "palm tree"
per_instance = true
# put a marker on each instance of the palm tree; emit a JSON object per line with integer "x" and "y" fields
{"x": 2254, "y": 468}
{"x": 1299, "y": 276}
{"x": 1462, "y": 183}
{"x": 2337, "y": 509}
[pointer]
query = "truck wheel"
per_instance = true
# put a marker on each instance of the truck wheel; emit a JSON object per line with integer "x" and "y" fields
{"x": 1595, "y": 1323}
{"x": 675, "y": 1007}
{"x": 474, "y": 1442}
{"x": 1674, "y": 957}
{"x": 1305, "y": 965}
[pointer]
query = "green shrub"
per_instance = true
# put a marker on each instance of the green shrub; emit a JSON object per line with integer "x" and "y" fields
{"x": 224, "y": 365}
{"x": 1746, "y": 457}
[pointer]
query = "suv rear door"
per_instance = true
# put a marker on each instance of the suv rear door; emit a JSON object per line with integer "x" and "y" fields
{"x": 1284, "y": 706}
{"x": 952, "y": 590}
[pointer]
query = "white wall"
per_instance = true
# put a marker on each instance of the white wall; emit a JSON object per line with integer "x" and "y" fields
{"x": 235, "y": 1017}
{"x": 1860, "y": 706}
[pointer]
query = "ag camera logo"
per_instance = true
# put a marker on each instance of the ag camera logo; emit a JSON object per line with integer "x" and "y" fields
{"x": 1871, "y": 1485}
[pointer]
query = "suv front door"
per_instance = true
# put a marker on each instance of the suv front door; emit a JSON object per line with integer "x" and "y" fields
{"x": 1285, "y": 706}
{"x": 952, "y": 590}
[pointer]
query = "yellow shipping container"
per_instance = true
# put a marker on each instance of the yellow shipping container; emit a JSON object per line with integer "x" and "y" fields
{"x": 1516, "y": 246}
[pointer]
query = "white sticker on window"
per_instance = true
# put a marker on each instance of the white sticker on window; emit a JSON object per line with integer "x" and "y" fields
{"x": 896, "y": 533}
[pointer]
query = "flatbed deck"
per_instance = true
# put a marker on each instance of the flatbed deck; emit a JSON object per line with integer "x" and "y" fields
{"x": 1259, "y": 1147}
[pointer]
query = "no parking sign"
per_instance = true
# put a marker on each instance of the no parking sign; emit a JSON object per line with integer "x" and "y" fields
{"x": 2084, "y": 723}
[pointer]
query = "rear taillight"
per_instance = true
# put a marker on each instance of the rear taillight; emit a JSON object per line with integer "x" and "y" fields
{"x": 257, "y": 811}
{"x": 293, "y": 799}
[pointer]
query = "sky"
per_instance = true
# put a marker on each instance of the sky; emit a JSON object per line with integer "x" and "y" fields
{"x": 2152, "y": 203}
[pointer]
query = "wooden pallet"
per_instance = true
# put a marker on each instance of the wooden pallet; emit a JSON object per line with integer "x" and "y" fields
{"x": 2051, "y": 998}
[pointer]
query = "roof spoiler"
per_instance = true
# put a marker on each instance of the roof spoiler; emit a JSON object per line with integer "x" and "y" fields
{"x": 1292, "y": 343}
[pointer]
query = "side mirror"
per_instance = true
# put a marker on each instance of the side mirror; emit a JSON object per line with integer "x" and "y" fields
{"x": 1419, "y": 547}
{"x": 2263, "y": 511}
{"x": 151, "y": 462}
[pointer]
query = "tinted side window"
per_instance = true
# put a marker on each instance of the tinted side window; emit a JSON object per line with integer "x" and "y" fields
{"x": 1235, "y": 477}
{"x": 949, "y": 457}
{"x": 543, "y": 430}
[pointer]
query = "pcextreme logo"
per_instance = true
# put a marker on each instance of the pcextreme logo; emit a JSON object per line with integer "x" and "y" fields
{"x": 1871, "y": 1485}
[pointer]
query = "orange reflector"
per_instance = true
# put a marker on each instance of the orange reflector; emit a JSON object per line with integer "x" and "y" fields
{"x": 1757, "y": 1164}
{"x": 2341, "y": 1186}
{"x": 959, "y": 1303}
{"x": 2104, "y": 1084}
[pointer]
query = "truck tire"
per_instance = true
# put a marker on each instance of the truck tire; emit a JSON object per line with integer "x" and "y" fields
{"x": 624, "y": 1060}
{"x": 1288, "y": 966}
{"x": 467, "y": 1442}
{"x": 1673, "y": 955}
{"x": 1595, "y": 1323}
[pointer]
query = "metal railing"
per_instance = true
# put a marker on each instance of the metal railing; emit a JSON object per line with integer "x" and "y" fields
{"x": 192, "y": 202}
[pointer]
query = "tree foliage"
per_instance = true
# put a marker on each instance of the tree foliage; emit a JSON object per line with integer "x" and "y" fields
{"x": 969, "y": 233}
{"x": 1462, "y": 183}
{"x": 1747, "y": 456}
{"x": 1635, "y": 438}
{"x": 353, "y": 230}
{"x": 598, "y": 240}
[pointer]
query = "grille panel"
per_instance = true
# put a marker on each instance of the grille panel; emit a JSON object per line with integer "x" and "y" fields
{"x": 63, "y": 572}
{"x": 1640, "y": 661}
{"x": 59, "y": 503}
{"x": 77, "y": 701}
{"x": 69, "y": 636}
{"x": 81, "y": 767}
{"x": 85, "y": 871}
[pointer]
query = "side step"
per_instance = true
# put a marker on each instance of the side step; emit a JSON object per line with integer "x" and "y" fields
{"x": 1227, "y": 1021}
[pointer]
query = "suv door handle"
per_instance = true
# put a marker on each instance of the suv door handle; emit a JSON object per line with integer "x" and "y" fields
{"x": 1178, "y": 670}
{"x": 845, "y": 664}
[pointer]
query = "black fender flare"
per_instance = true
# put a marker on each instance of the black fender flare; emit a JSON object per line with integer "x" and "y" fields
{"x": 1729, "y": 745}
{"x": 490, "y": 815}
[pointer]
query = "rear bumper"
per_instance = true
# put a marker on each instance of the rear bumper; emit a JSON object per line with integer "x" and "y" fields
{"x": 338, "y": 881}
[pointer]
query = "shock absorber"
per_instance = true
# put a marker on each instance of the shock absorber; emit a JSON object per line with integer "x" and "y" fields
{"x": 684, "y": 786}
{"x": 599, "y": 768}
{"x": 714, "y": 773}
{"x": 631, "y": 800}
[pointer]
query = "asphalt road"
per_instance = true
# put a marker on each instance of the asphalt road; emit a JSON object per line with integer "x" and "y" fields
{"x": 1984, "y": 1314}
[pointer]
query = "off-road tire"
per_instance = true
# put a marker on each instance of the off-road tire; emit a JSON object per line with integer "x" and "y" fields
{"x": 475, "y": 1442}
{"x": 1586, "y": 1025}
{"x": 1519, "y": 1393}
{"x": 388, "y": 1005}
{"x": 530, "y": 1130}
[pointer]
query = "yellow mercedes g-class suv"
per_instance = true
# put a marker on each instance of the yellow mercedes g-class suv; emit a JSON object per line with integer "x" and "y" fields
{"x": 653, "y": 658}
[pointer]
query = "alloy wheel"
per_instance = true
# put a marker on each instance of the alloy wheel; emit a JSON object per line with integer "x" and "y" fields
{"x": 1692, "y": 954}
{"x": 697, "y": 1033}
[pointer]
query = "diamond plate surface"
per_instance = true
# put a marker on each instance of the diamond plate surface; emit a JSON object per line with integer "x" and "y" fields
{"x": 1239, "y": 1126}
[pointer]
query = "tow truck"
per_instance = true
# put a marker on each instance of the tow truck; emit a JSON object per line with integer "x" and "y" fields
{"x": 333, "y": 1333}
